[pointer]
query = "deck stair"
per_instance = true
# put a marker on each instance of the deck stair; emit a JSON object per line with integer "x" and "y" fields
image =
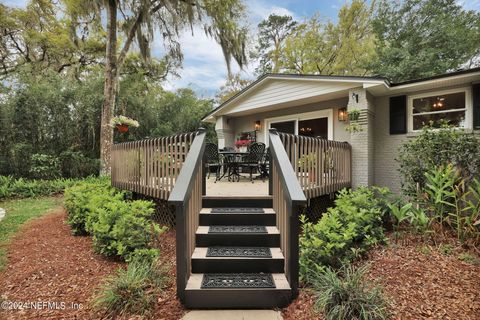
{"x": 237, "y": 261}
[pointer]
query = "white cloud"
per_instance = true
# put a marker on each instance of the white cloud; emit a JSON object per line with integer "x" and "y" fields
{"x": 204, "y": 68}
{"x": 15, "y": 3}
{"x": 260, "y": 10}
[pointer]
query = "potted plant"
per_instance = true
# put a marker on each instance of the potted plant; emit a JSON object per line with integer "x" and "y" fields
{"x": 353, "y": 127}
{"x": 308, "y": 164}
{"x": 353, "y": 114}
{"x": 242, "y": 145}
{"x": 122, "y": 123}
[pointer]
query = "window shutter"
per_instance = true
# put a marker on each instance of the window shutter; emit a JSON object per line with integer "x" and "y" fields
{"x": 398, "y": 115}
{"x": 476, "y": 105}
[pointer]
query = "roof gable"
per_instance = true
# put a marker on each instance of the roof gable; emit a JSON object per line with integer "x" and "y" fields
{"x": 277, "y": 90}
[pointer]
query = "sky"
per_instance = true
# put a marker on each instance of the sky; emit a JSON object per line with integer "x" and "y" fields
{"x": 204, "y": 68}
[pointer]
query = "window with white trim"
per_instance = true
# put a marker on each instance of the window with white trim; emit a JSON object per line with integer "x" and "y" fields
{"x": 448, "y": 106}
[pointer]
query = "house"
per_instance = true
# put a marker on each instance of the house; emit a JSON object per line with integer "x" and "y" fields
{"x": 316, "y": 105}
{"x": 243, "y": 252}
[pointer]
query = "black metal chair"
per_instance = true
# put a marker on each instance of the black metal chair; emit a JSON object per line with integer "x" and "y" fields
{"x": 212, "y": 160}
{"x": 265, "y": 165}
{"x": 253, "y": 159}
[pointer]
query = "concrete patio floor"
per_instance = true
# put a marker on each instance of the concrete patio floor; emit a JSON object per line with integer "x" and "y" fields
{"x": 243, "y": 188}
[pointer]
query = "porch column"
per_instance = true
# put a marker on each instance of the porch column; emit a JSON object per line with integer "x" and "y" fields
{"x": 362, "y": 142}
{"x": 225, "y": 132}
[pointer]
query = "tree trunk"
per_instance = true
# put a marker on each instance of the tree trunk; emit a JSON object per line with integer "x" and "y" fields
{"x": 111, "y": 78}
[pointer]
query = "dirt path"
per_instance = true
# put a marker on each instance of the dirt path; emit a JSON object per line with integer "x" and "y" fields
{"x": 47, "y": 264}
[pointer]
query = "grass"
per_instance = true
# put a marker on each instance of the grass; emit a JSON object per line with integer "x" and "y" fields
{"x": 19, "y": 211}
{"x": 346, "y": 294}
{"x": 132, "y": 291}
{"x": 468, "y": 258}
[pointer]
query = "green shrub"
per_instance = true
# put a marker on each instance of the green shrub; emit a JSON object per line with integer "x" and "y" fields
{"x": 132, "y": 291}
{"x": 122, "y": 227}
{"x": 343, "y": 233}
{"x": 84, "y": 198}
{"x": 434, "y": 148}
{"x": 44, "y": 166}
{"x": 453, "y": 202}
{"x": 75, "y": 164}
{"x": 402, "y": 213}
{"x": 23, "y": 188}
{"x": 119, "y": 227}
{"x": 345, "y": 294}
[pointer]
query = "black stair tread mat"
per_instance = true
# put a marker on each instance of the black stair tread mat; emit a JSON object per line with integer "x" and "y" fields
{"x": 237, "y": 229}
{"x": 237, "y": 280}
{"x": 237, "y": 210}
{"x": 249, "y": 252}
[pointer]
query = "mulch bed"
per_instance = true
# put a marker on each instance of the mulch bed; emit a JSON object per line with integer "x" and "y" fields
{"x": 302, "y": 308}
{"x": 46, "y": 263}
{"x": 419, "y": 281}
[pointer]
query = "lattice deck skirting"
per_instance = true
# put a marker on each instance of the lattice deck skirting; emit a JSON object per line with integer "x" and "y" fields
{"x": 237, "y": 280}
{"x": 237, "y": 229}
{"x": 253, "y": 252}
{"x": 237, "y": 210}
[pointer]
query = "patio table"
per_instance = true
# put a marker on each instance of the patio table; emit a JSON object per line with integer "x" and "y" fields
{"x": 235, "y": 159}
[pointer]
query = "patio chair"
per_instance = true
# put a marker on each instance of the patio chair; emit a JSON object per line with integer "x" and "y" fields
{"x": 212, "y": 160}
{"x": 264, "y": 165}
{"x": 253, "y": 159}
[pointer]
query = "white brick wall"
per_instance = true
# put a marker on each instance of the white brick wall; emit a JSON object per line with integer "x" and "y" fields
{"x": 386, "y": 168}
{"x": 363, "y": 142}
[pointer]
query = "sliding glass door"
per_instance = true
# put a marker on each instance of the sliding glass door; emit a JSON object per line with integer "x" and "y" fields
{"x": 284, "y": 126}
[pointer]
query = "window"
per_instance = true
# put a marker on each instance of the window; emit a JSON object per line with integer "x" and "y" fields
{"x": 449, "y": 106}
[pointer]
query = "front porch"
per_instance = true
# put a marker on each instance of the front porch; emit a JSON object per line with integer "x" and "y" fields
{"x": 237, "y": 242}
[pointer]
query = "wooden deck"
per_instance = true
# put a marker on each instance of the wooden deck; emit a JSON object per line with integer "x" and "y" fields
{"x": 243, "y": 188}
{"x": 151, "y": 167}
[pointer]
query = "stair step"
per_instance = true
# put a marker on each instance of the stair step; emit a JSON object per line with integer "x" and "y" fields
{"x": 270, "y": 238}
{"x": 201, "y": 263}
{"x": 237, "y": 210}
{"x": 209, "y": 218}
{"x": 229, "y": 297}
{"x": 237, "y": 229}
{"x": 253, "y": 202}
{"x": 237, "y": 281}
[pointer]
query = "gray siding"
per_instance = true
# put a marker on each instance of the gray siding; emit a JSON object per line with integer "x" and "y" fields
{"x": 246, "y": 123}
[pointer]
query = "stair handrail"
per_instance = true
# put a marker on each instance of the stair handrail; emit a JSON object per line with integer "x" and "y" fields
{"x": 294, "y": 200}
{"x": 180, "y": 198}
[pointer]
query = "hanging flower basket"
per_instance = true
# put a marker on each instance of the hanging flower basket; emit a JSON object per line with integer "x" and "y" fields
{"x": 123, "y": 123}
{"x": 122, "y": 128}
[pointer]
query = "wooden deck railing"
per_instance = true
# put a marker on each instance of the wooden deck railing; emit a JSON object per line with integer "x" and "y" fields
{"x": 186, "y": 196}
{"x": 288, "y": 200}
{"x": 150, "y": 166}
{"x": 321, "y": 166}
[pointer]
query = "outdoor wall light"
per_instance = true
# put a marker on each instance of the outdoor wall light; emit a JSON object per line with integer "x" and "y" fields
{"x": 355, "y": 96}
{"x": 342, "y": 114}
{"x": 258, "y": 125}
